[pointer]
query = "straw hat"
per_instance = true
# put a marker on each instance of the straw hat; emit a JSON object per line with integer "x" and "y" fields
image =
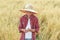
{"x": 28, "y": 8}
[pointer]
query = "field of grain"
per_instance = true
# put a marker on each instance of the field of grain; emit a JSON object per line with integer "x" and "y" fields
{"x": 48, "y": 15}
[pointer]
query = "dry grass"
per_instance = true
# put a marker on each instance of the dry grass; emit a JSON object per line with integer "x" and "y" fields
{"x": 48, "y": 15}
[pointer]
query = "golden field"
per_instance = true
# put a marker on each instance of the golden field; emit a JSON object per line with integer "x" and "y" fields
{"x": 48, "y": 15}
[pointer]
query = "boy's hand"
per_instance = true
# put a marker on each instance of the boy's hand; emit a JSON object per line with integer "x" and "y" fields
{"x": 32, "y": 30}
{"x": 23, "y": 30}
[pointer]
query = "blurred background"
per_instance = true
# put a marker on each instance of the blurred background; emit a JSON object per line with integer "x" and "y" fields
{"x": 48, "y": 15}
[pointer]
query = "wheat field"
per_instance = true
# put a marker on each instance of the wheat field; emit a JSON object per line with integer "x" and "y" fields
{"x": 48, "y": 15}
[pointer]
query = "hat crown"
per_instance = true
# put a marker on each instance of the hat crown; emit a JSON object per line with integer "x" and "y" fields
{"x": 28, "y": 6}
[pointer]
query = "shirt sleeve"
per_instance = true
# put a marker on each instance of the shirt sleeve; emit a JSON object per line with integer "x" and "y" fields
{"x": 20, "y": 25}
{"x": 36, "y": 25}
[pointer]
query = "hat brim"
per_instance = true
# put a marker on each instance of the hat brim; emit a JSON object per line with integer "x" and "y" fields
{"x": 28, "y": 10}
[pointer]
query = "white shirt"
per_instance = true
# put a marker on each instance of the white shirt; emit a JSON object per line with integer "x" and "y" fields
{"x": 28, "y": 34}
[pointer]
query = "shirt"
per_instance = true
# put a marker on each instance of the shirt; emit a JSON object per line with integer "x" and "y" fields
{"x": 34, "y": 25}
{"x": 28, "y": 35}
